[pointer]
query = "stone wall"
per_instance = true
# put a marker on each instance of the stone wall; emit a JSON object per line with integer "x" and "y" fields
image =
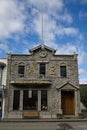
{"x": 53, "y": 63}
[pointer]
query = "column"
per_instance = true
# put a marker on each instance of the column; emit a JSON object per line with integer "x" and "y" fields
{"x": 3, "y": 105}
{"x": 39, "y": 100}
{"x": 10, "y": 100}
{"x": 76, "y": 104}
{"x": 60, "y": 110}
{"x": 79, "y": 102}
{"x": 21, "y": 100}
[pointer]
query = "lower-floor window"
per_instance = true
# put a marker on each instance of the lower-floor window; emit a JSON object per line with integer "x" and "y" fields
{"x": 0, "y": 105}
{"x": 43, "y": 99}
{"x": 30, "y": 99}
{"x": 16, "y": 99}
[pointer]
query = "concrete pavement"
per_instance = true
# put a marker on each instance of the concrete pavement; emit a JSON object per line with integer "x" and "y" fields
{"x": 43, "y": 125}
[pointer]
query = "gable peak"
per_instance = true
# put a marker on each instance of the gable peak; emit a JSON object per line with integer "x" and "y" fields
{"x": 42, "y": 47}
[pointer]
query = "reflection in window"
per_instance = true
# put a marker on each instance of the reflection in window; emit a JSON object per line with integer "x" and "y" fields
{"x": 63, "y": 71}
{"x": 43, "y": 99}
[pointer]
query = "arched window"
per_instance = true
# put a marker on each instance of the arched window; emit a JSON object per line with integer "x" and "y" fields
{"x": 21, "y": 69}
{"x": 63, "y": 71}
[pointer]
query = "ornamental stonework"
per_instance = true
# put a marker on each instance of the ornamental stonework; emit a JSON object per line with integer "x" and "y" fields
{"x": 32, "y": 69}
{"x": 43, "y": 54}
{"x": 52, "y": 69}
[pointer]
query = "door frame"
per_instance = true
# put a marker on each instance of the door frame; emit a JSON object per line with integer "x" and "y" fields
{"x": 65, "y": 95}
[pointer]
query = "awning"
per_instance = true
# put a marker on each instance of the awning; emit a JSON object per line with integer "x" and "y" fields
{"x": 24, "y": 82}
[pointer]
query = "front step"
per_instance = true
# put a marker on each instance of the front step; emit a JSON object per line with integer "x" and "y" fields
{"x": 31, "y": 114}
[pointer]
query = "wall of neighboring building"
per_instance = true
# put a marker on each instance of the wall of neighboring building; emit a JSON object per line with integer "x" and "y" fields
{"x": 4, "y": 73}
{"x": 4, "y": 76}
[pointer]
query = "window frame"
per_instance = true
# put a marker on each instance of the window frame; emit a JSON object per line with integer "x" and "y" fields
{"x": 45, "y": 106}
{"x": 42, "y": 66}
{"x": 21, "y": 73}
{"x": 30, "y": 103}
{"x": 16, "y": 96}
{"x": 63, "y": 71}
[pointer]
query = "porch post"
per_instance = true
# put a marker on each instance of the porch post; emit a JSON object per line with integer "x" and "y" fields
{"x": 11, "y": 98}
{"x": 76, "y": 104}
{"x": 39, "y": 100}
{"x": 21, "y": 100}
{"x": 3, "y": 105}
{"x": 60, "y": 110}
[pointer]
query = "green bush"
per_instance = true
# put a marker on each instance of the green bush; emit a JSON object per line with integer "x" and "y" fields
{"x": 83, "y": 94}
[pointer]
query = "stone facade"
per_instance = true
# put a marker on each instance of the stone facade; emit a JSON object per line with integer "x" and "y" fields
{"x": 51, "y": 80}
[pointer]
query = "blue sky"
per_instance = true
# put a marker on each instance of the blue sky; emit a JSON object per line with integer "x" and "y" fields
{"x": 64, "y": 28}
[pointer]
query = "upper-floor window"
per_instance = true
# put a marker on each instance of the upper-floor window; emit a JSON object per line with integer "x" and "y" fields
{"x": 21, "y": 69}
{"x": 42, "y": 70}
{"x": 63, "y": 72}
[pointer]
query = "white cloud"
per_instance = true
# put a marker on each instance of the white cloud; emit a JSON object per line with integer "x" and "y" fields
{"x": 70, "y": 31}
{"x": 4, "y": 47}
{"x": 11, "y": 18}
{"x": 47, "y": 5}
{"x": 84, "y": 1}
{"x": 67, "y": 49}
{"x": 50, "y": 28}
{"x": 81, "y": 71}
{"x": 83, "y": 80}
{"x": 71, "y": 48}
{"x": 64, "y": 16}
{"x": 82, "y": 76}
{"x": 83, "y": 15}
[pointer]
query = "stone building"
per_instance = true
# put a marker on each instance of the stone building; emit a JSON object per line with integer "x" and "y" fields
{"x": 42, "y": 84}
{"x": 3, "y": 72}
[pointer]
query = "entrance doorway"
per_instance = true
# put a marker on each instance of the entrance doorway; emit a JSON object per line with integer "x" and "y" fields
{"x": 68, "y": 103}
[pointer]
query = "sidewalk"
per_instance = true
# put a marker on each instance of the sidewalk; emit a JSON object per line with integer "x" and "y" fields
{"x": 43, "y": 120}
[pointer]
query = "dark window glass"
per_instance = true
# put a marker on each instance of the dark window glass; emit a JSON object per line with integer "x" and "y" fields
{"x": 30, "y": 99}
{"x": 42, "y": 69}
{"x": 63, "y": 71}
{"x": 0, "y": 105}
{"x": 16, "y": 100}
{"x": 21, "y": 69}
{"x": 43, "y": 99}
{"x": 0, "y": 75}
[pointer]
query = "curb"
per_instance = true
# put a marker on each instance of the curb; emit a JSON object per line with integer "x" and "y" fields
{"x": 41, "y": 120}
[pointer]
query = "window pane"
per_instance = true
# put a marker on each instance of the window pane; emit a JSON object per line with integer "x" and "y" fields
{"x": 16, "y": 100}
{"x": 43, "y": 99}
{"x": 21, "y": 70}
{"x": 0, "y": 76}
{"x": 63, "y": 71}
{"x": 42, "y": 68}
{"x": 30, "y": 100}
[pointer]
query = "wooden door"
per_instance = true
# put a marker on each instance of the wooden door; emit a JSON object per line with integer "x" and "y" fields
{"x": 68, "y": 105}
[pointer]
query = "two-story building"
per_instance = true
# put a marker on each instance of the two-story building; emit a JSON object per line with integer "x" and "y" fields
{"x": 42, "y": 84}
{"x": 3, "y": 73}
